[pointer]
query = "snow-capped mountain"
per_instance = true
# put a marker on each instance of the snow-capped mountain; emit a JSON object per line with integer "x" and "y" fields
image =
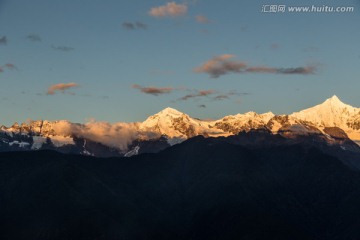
{"x": 333, "y": 119}
{"x": 34, "y": 135}
{"x": 173, "y": 124}
{"x": 178, "y": 126}
{"x": 234, "y": 124}
{"x": 333, "y": 113}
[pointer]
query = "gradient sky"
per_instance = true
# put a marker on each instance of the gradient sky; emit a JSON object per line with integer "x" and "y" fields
{"x": 117, "y": 61}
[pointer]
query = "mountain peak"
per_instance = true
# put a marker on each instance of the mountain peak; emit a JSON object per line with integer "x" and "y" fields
{"x": 331, "y": 105}
{"x": 334, "y": 102}
{"x": 334, "y": 99}
{"x": 170, "y": 111}
{"x": 331, "y": 113}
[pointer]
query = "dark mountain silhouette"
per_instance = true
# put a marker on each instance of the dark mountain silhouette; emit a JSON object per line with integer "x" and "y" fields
{"x": 203, "y": 188}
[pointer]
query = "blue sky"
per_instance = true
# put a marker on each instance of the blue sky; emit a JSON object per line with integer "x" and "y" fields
{"x": 121, "y": 61}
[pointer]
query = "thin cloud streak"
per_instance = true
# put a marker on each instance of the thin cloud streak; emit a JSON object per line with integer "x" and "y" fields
{"x": 10, "y": 66}
{"x": 61, "y": 87}
{"x": 134, "y": 26}
{"x": 228, "y": 95}
{"x": 221, "y": 97}
{"x": 298, "y": 70}
{"x": 212, "y": 95}
{"x": 62, "y": 48}
{"x": 140, "y": 25}
{"x": 220, "y": 65}
{"x": 128, "y": 25}
{"x": 200, "y": 93}
{"x": 274, "y": 46}
{"x": 223, "y": 64}
{"x": 34, "y": 37}
{"x": 155, "y": 91}
{"x": 261, "y": 69}
{"x": 202, "y": 19}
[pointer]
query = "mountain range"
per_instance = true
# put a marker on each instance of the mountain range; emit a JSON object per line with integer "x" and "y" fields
{"x": 247, "y": 176}
{"x": 333, "y": 120}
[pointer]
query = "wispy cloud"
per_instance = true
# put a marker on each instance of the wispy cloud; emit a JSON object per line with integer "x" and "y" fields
{"x": 298, "y": 70}
{"x": 192, "y": 94}
{"x": 244, "y": 28}
{"x": 274, "y": 46}
{"x": 199, "y": 93}
{"x": 221, "y": 97}
{"x": 134, "y": 26}
{"x": 224, "y": 64}
{"x": 171, "y": 9}
{"x": 311, "y": 49}
{"x": 228, "y": 95}
{"x": 221, "y": 65}
{"x": 61, "y": 87}
{"x": 155, "y": 91}
{"x": 34, "y": 37}
{"x": 3, "y": 40}
{"x": 141, "y": 25}
{"x": 10, "y": 66}
{"x": 62, "y": 48}
{"x": 128, "y": 25}
{"x": 261, "y": 69}
{"x": 202, "y": 19}
{"x": 161, "y": 72}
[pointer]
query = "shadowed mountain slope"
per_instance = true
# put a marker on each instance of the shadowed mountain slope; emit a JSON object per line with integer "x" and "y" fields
{"x": 200, "y": 189}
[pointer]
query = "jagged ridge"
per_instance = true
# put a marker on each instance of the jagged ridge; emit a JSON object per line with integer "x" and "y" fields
{"x": 176, "y": 127}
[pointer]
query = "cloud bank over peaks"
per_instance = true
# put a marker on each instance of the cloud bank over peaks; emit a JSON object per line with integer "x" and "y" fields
{"x": 115, "y": 135}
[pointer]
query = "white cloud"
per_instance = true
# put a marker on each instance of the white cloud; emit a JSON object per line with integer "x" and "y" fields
{"x": 171, "y": 9}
